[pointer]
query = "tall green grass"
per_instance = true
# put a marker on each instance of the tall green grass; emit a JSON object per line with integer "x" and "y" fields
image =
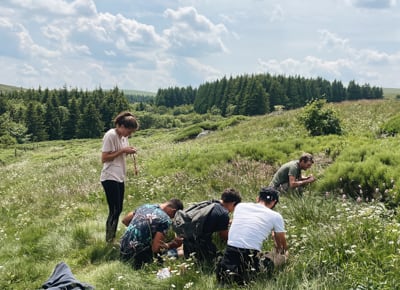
{"x": 53, "y": 207}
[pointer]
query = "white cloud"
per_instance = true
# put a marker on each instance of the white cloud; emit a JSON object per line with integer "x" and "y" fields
{"x": 151, "y": 44}
{"x": 373, "y": 4}
{"x": 54, "y": 7}
{"x": 331, "y": 41}
{"x": 29, "y": 47}
{"x": 308, "y": 67}
{"x": 277, "y": 14}
{"x": 206, "y": 72}
{"x": 364, "y": 66}
{"x": 192, "y": 33}
{"x": 29, "y": 70}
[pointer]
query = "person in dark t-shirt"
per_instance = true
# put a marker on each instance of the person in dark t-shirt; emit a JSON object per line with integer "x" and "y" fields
{"x": 217, "y": 220}
{"x": 289, "y": 176}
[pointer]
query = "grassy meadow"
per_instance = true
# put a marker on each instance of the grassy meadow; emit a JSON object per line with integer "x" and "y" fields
{"x": 53, "y": 207}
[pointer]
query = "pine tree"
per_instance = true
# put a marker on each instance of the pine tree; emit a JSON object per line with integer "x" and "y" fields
{"x": 71, "y": 125}
{"x": 35, "y": 122}
{"x": 90, "y": 124}
{"x": 52, "y": 119}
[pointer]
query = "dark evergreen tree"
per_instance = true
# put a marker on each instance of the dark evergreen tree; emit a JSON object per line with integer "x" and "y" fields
{"x": 63, "y": 96}
{"x": 338, "y": 92}
{"x": 227, "y": 98}
{"x": 277, "y": 95}
{"x": 255, "y": 101}
{"x": 160, "y": 98}
{"x": 377, "y": 93}
{"x": 220, "y": 90}
{"x": 325, "y": 89}
{"x": 90, "y": 124}
{"x": 140, "y": 107}
{"x": 241, "y": 96}
{"x": 71, "y": 125}
{"x": 3, "y": 103}
{"x": 52, "y": 119}
{"x": 292, "y": 92}
{"x": 212, "y": 96}
{"x": 200, "y": 102}
{"x": 112, "y": 104}
{"x": 353, "y": 91}
{"x": 3, "y": 125}
{"x": 35, "y": 119}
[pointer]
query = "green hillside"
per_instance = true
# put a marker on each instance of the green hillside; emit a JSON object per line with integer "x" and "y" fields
{"x": 391, "y": 92}
{"x": 53, "y": 207}
{"x": 7, "y": 88}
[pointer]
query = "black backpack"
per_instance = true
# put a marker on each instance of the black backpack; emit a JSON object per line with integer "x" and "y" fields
{"x": 188, "y": 223}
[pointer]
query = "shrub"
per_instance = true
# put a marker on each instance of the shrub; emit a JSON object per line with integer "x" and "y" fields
{"x": 319, "y": 120}
{"x": 188, "y": 133}
{"x": 392, "y": 126}
{"x": 7, "y": 140}
{"x": 364, "y": 172}
{"x": 232, "y": 121}
{"x": 208, "y": 125}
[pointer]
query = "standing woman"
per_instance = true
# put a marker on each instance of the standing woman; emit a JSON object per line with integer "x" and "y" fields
{"x": 113, "y": 155}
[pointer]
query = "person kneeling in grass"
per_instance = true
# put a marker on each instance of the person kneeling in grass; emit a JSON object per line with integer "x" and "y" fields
{"x": 289, "y": 176}
{"x": 216, "y": 221}
{"x": 252, "y": 223}
{"x": 146, "y": 230}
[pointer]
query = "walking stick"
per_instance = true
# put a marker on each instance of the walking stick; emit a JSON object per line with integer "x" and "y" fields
{"x": 134, "y": 165}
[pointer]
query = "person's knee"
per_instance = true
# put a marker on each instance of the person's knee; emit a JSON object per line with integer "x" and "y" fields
{"x": 227, "y": 274}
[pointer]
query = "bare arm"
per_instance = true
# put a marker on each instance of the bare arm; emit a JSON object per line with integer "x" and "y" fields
{"x": 158, "y": 242}
{"x": 224, "y": 235}
{"x": 175, "y": 243}
{"x": 110, "y": 156}
{"x": 127, "y": 219}
{"x": 303, "y": 181}
{"x": 280, "y": 242}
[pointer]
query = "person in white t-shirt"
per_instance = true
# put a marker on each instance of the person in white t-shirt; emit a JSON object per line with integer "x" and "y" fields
{"x": 252, "y": 223}
{"x": 113, "y": 153}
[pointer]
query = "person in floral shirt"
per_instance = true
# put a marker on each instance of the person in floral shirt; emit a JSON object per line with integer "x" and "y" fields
{"x": 147, "y": 227}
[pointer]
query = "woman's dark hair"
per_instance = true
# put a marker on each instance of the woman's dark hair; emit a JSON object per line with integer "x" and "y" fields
{"x": 231, "y": 195}
{"x": 127, "y": 120}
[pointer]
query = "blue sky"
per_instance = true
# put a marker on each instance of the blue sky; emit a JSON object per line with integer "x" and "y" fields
{"x": 151, "y": 44}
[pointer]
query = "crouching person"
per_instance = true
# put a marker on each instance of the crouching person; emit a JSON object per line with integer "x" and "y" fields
{"x": 252, "y": 223}
{"x": 215, "y": 221}
{"x": 146, "y": 230}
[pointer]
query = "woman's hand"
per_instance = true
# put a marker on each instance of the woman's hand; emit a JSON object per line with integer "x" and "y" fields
{"x": 130, "y": 150}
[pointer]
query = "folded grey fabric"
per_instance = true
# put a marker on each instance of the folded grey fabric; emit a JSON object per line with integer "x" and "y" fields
{"x": 63, "y": 279}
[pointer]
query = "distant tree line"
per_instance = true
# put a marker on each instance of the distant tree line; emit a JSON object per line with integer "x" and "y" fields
{"x": 259, "y": 94}
{"x": 40, "y": 115}
{"x": 175, "y": 96}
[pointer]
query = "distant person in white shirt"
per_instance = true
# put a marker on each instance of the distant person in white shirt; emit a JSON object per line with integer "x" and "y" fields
{"x": 252, "y": 223}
